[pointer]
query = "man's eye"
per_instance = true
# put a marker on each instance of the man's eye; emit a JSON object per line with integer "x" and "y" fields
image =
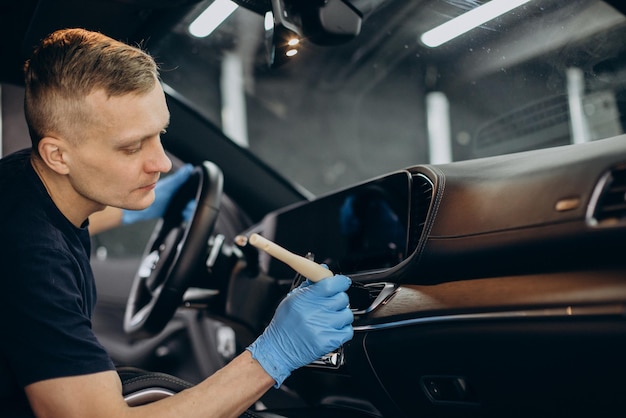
{"x": 131, "y": 151}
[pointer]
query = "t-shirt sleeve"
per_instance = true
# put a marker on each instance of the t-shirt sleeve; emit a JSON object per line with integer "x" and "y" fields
{"x": 48, "y": 323}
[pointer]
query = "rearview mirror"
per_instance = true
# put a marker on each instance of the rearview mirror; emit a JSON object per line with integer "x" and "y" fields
{"x": 323, "y": 22}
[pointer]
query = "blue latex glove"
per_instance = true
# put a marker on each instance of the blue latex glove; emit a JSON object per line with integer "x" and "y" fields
{"x": 163, "y": 191}
{"x": 313, "y": 320}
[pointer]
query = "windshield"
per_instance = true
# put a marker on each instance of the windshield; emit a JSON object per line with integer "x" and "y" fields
{"x": 546, "y": 73}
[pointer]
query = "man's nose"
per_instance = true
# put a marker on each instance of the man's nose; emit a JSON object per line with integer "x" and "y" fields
{"x": 158, "y": 160}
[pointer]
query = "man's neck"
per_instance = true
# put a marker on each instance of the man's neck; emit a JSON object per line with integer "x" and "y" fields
{"x": 69, "y": 202}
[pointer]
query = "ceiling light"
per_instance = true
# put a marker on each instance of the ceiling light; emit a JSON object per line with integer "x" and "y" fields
{"x": 468, "y": 21}
{"x": 211, "y": 18}
{"x": 268, "y": 21}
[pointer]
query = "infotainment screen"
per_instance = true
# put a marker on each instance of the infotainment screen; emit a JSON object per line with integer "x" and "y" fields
{"x": 359, "y": 229}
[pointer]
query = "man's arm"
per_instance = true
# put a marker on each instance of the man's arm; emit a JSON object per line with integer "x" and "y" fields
{"x": 227, "y": 393}
{"x": 311, "y": 321}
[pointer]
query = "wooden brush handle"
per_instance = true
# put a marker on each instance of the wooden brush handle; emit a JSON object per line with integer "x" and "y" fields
{"x": 308, "y": 268}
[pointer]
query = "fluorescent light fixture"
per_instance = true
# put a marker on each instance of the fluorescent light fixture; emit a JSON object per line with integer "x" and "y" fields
{"x": 268, "y": 22}
{"x": 468, "y": 21}
{"x": 211, "y": 18}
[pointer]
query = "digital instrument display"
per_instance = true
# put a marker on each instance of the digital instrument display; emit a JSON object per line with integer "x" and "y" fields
{"x": 359, "y": 229}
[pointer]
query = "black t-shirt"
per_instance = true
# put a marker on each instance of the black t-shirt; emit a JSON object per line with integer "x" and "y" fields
{"x": 47, "y": 291}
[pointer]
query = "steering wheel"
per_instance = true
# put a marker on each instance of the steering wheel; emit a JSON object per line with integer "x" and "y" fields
{"x": 175, "y": 250}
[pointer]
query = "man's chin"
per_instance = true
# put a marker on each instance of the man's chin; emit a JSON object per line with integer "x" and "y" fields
{"x": 141, "y": 204}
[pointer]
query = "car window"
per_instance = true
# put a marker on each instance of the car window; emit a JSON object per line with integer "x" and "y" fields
{"x": 547, "y": 73}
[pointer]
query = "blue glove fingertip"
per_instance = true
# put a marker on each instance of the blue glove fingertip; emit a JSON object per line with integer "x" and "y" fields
{"x": 332, "y": 285}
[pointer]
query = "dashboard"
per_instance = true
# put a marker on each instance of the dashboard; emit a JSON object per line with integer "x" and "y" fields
{"x": 505, "y": 273}
{"x": 479, "y": 218}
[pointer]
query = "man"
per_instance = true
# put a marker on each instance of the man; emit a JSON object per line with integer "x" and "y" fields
{"x": 95, "y": 111}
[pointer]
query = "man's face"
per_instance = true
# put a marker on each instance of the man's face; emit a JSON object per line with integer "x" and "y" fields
{"x": 118, "y": 158}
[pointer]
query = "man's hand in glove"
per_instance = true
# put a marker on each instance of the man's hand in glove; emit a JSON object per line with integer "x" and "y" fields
{"x": 313, "y": 320}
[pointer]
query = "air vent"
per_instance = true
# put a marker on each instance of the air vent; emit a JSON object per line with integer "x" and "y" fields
{"x": 608, "y": 203}
{"x": 421, "y": 197}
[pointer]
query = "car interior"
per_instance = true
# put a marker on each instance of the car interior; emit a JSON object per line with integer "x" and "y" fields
{"x": 474, "y": 190}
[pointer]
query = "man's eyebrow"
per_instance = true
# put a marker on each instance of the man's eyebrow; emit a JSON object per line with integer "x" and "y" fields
{"x": 130, "y": 141}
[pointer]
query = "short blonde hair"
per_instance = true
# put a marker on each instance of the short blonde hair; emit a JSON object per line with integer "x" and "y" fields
{"x": 67, "y": 66}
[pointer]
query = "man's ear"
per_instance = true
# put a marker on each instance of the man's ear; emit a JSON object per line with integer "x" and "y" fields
{"x": 51, "y": 152}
